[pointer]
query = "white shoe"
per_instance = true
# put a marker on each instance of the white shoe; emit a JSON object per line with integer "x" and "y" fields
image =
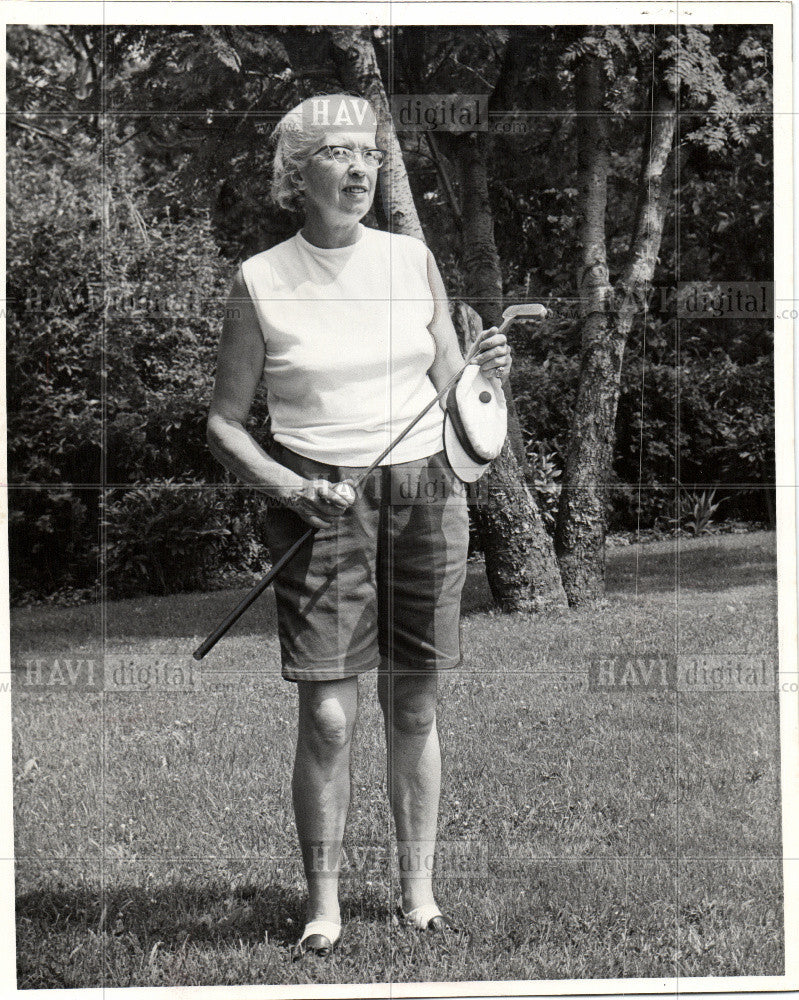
{"x": 320, "y": 937}
{"x": 428, "y": 917}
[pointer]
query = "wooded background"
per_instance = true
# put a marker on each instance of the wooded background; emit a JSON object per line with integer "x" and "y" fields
{"x": 619, "y": 162}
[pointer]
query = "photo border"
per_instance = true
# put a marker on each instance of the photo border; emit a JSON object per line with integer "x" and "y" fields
{"x": 509, "y": 12}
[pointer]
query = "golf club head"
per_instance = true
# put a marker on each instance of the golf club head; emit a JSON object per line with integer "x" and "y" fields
{"x": 526, "y": 310}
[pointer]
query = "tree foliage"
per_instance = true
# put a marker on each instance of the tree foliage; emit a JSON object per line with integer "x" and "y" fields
{"x": 123, "y": 230}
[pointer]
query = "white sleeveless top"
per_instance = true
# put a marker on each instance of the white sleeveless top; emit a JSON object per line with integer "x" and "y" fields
{"x": 347, "y": 346}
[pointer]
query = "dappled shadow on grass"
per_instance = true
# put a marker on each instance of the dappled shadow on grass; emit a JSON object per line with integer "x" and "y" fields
{"x": 55, "y": 628}
{"x": 175, "y": 913}
{"x": 525, "y": 919}
{"x": 711, "y": 563}
{"x": 184, "y": 615}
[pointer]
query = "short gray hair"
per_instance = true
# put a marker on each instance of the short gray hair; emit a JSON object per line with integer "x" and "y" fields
{"x": 300, "y": 132}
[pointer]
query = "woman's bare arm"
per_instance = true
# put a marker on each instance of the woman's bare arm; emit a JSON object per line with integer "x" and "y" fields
{"x": 448, "y": 353}
{"x": 240, "y": 362}
{"x": 239, "y": 368}
{"x": 493, "y": 354}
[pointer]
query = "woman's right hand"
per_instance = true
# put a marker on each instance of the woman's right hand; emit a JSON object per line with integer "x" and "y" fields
{"x": 318, "y": 502}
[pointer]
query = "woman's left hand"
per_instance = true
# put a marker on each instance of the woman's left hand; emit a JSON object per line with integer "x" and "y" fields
{"x": 493, "y": 354}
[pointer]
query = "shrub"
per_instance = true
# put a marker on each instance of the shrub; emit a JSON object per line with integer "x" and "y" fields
{"x": 168, "y": 537}
{"x": 715, "y": 414}
{"x": 53, "y": 541}
{"x": 545, "y": 473}
{"x": 697, "y": 510}
{"x": 54, "y": 323}
{"x": 99, "y": 270}
{"x": 170, "y": 285}
{"x": 92, "y": 280}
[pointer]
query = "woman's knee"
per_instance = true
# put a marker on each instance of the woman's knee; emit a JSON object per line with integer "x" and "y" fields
{"x": 413, "y": 707}
{"x": 327, "y": 719}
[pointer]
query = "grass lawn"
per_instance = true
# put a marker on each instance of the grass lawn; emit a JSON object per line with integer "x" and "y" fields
{"x": 587, "y": 833}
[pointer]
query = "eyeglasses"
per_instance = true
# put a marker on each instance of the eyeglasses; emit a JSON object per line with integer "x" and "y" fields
{"x": 343, "y": 154}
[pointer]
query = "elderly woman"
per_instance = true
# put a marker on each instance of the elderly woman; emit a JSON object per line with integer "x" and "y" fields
{"x": 350, "y": 329}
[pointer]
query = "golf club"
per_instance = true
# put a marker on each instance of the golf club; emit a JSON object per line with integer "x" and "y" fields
{"x": 531, "y": 310}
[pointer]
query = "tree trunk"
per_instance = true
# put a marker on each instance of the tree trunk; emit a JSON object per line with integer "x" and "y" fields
{"x": 483, "y": 275}
{"x": 520, "y": 558}
{"x": 580, "y": 530}
{"x": 607, "y": 316}
{"x": 519, "y": 555}
{"x": 356, "y": 65}
{"x": 654, "y": 197}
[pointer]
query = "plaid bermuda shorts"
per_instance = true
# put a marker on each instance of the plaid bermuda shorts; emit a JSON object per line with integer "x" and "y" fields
{"x": 382, "y": 585}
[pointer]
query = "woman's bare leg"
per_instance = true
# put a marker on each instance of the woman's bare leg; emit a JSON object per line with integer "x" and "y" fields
{"x": 414, "y": 777}
{"x": 321, "y": 785}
